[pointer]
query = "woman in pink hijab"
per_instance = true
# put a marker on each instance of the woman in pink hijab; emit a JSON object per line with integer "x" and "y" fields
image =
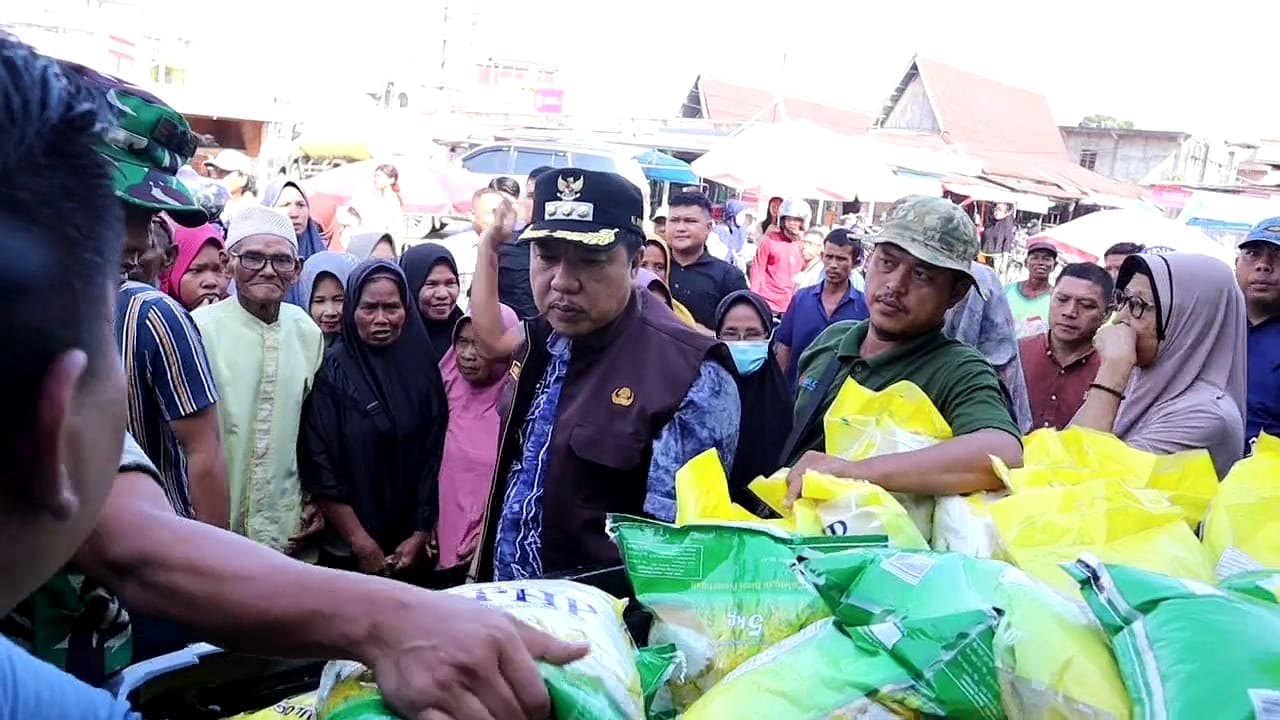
{"x": 198, "y": 275}
{"x": 473, "y": 384}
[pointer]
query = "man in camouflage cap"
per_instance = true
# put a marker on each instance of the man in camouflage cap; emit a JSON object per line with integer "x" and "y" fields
{"x": 145, "y": 149}
{"x": 919, "y": 269}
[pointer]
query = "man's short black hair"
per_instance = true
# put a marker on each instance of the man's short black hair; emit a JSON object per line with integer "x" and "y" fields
{"x": 1124, "y": 248}
{"x": 690, "y": 199}
{"x": 536, "y": 173}
{"x": 64, "y": 227}
{"x": 1092, "y": 273}
{"x": 506, "y": 186}
{"x": 844, "y": 237}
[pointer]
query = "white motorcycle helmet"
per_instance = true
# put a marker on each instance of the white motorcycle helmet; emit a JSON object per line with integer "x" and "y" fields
{"x": 797, "y": 208}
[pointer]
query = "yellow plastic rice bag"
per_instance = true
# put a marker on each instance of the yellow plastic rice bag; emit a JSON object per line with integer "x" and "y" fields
{"x": 827, "y": 505}
{"x": 962, "y": 523}
{"x": 1242, "y": 531}
{"x": 863, "y": 423}
{"x": 300, "y": 707}
{"x": 1059, "y": 458}
{"x": 1041, "y": 528}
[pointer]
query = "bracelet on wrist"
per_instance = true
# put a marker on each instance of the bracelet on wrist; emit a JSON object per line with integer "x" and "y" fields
{"x": 1109, "y": 390}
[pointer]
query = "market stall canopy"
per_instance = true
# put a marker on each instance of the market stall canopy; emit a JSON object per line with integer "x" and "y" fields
{"x": 795, "y": 159}
{"x": 1087, "y": 238}
{"x": 989, "y": 192}
{"x": 1226, "y": 211}
{"x": 662, "y": 167}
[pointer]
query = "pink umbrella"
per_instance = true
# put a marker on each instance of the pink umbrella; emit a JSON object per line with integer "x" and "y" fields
{"x": 427, "y": 187}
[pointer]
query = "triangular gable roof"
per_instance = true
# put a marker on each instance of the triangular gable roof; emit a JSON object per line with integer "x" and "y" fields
{"x": 725, "y": 101}
{"x": 1009, "y": 129}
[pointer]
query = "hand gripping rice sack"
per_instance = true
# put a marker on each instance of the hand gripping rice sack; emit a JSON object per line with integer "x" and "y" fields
{"x": 1060, "y": 458}
{"x": 605, "y": 683}
{"x": 896, "y": 669}
{"x": 827, "y": 505}
{"x": 862, "y": 423}
{"x": 830, "y": 505}
{"x": 1261, "y": 584}
{"x": 1186, "y": 650}
{"x": 1039, "y": 529}
{"x": 962, "y": 523}
{"x": 1051, "y": 659}
{"x": 720, "y": 593}
{"x": 301, "y": 707}
{"x": 1242, "y": 531}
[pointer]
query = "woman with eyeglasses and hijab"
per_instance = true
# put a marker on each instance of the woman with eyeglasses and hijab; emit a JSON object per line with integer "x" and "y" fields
{"x": 1172, "y": 376}
{"x": 374, "y": 429}
{"x": 743, "y": 322}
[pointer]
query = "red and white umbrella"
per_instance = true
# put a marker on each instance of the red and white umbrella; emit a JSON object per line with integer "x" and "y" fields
{"x": 427, "y": 187}
{"x": 1087, "y": 238}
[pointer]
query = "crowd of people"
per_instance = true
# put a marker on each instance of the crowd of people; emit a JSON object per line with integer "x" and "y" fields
{"x": 316, "y": 435}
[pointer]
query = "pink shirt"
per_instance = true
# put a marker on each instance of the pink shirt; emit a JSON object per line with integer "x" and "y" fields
{"x": 773, "y": 273}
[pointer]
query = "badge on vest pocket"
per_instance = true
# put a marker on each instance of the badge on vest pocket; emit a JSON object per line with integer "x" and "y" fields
{"x": 515, "y": 370}
{"x": 623, "y": 397}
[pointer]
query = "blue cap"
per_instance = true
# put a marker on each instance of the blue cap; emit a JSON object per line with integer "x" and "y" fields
{"x": 1266, "y": 231}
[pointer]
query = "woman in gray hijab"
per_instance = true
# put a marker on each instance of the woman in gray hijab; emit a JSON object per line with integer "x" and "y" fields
{"x": 323, "y": 284}
{"x": 1173, "y": 365}
{"x": 375, "y": 245}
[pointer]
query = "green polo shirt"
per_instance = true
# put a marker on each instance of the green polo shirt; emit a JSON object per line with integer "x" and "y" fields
{"x": 960, "y": 382}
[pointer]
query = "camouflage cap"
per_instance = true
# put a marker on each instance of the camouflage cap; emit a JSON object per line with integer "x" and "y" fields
{"x": 933, "y": 230}
{"x": 145, "y": 148}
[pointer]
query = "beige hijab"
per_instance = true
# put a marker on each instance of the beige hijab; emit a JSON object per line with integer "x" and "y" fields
{"x": 1193, "y": 395}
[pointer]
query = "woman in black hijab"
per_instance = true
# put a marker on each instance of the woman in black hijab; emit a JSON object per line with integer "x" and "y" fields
{"x": 433, "y": 280}
{"x": 743, "y": 322}
{"x": 374, "y": 429}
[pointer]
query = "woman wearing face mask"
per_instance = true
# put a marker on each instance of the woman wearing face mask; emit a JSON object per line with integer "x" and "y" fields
{"x": 198, "y": 276}
{"x": 473, "y": 383}
{"x": 433, "y": 279}
{"x": 1172, "y": 376}
{"x": 742, "y": 322}
{"x": 373, "y": 431}
{"x": 324, "y": 280}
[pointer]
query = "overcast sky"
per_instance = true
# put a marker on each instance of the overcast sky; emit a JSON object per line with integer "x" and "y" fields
{"x": 1201, "y": 67}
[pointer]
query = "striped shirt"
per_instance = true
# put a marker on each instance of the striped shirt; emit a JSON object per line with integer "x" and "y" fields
{"x": 169, "y": 378}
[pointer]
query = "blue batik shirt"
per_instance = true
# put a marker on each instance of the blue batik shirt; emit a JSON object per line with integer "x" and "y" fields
{"x": 708, "y": 417}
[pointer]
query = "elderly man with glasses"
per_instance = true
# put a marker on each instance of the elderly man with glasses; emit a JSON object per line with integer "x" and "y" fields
{"x": 264, "y": 354}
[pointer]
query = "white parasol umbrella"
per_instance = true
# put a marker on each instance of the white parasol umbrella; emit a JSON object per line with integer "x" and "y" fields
{"x": 1087, "y": 238}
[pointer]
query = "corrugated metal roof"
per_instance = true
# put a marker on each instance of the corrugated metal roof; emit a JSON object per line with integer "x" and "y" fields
{"x": 1009, "y": 130}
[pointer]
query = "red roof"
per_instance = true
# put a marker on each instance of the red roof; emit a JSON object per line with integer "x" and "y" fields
{"x": 1009, "y": 130}
{"x": 723, "y": 100}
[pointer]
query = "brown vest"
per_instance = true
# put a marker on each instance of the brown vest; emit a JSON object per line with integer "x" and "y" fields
{"x": 623, "y": 384}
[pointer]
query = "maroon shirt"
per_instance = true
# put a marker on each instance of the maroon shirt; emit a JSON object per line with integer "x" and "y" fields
{"x": 1055, "y": 392}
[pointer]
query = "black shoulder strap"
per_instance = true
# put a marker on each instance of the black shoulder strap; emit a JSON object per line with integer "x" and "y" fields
{"x": 806, "y": 414}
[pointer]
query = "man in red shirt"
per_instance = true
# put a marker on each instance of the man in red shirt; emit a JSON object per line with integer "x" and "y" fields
{"x": 779, "y": 258}
{"x": 1060, "y": 363}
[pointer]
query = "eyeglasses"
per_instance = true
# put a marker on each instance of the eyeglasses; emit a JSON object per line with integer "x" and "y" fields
{"x": 254, "y": 262}
{"x": 1137, "y": 306}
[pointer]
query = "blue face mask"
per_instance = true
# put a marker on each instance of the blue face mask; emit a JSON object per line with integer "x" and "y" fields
{"x": 748, "y": 355}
